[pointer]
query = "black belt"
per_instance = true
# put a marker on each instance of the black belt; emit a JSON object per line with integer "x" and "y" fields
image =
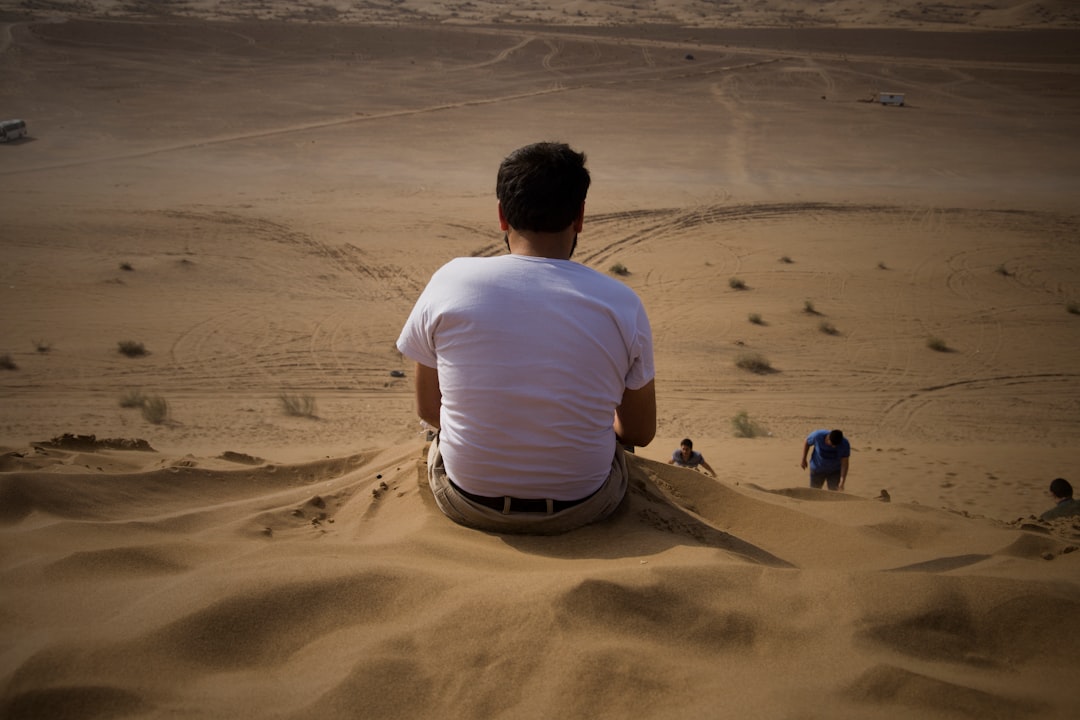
{"x": 524, "y": 505}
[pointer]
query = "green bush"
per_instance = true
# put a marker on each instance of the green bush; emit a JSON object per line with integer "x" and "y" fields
{"x": 618, "y": 269}
{"x": 755, "y": 319}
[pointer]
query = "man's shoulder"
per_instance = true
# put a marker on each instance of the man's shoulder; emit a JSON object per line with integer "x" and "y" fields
{"x": 1065, "y": 508}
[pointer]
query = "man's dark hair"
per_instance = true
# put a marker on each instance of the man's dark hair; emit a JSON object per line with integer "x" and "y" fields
{"x": 836, "y": 437}
{"x": 1060, "y": 488}
{"x": 688, "y": 443}
{"x": 541, "y": 187}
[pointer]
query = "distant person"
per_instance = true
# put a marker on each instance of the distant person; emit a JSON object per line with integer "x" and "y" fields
{"x": 1065, "y": 505}
{"x": 534, "y": 370}
{"x": 829, "y": 461}
{"x": 686, "y": 456}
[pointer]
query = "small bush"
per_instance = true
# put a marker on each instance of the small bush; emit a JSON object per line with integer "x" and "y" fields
{"x": 155, "y": 409}
{"x": 1073, "y": 308}
{"x": 618, "y": 269}
{"x": 809, "y": 309}
{"x": 786, "y": 260}
{"x": 882, "y": 266}
{"x": 6, "y": 363}
{"x": 828, "y": 328}
{"x": 1003, "y": 271}
{"x": 744, "y": 427}
{"x": 42, "y": 346}
{"x": 133, "y": 399}
{"x": 755, "y": 319}
{"x": 297, "y": 405}
{"x": 937, "y": 344}
{"x": 754, "y": 362}
{"x": 736, "y": 284}
{"x": 127, "y": 267}
{"x": 131, "y": 348}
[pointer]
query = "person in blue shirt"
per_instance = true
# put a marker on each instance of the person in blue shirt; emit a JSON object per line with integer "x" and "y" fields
{"x": 1064, "y": 503}
{"x": 687, "y": 457}
{"x": 829, "y": 461}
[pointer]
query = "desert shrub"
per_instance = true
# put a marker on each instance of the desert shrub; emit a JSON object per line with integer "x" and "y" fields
{"x": 127, "y": 267}
{"x": 808, "y": 308}
{"x": 42, "y": 346}
{"x": 754, "y": 362}
{"x": 131, "y": 348}
{"x": 937, "y": 344}
{"x": 882, "y": 266}
{"x": 786, "y": 260}
{"x": 297, "y": 405}
{"x": 736, "y": 284}
{"x": 133, "y": 399}
{"x": 755, "y": 318}
{"x": 1073, "y": 308}
{"x": 828, "y": 328}
{"x": 618, "y": 269}
{"x": 744, "y": 427}
{"x": 1002, "y": 271}
{"x": 6, "y": 363}
{"x": 155, "y": 409}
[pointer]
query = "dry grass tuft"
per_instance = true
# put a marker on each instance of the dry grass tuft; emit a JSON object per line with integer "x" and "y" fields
{"x": 755, "y": 363}
{"x": 297, "y": 405}
{"x": 937, "y": 345}
{"x": 131, "y": 348}
{"x": 744, "y": 427}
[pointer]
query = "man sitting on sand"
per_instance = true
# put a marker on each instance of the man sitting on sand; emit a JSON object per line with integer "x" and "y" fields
{"x": 534, "y": 369}
{"x": 1065, "y": 505}
{"x": 829, "y": 463}
{"x": 686, "y": 456}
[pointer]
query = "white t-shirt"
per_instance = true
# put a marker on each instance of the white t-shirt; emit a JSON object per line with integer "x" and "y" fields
{"x": 533, "y": 356}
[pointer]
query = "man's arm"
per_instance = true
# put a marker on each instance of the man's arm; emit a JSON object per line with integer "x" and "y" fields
{"x": 708, "y": 467}
{"x": 805, "y": 449}
{"x": 635, "y": 418}
{"x": 428, "y": 394}
{"x": 843, "y": 471}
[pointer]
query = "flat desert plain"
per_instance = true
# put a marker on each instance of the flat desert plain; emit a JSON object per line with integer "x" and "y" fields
{"x": 254, "y": 194}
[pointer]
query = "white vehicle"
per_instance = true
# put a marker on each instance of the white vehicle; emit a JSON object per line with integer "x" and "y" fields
{"x": 890, "y": 98}
{"x": 12, "y": 129}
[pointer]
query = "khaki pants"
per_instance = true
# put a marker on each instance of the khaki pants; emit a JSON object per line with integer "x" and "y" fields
{"x": 465, "y": 512}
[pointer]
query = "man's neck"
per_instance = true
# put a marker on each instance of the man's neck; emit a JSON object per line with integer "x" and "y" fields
{"x": 556, "y": 246}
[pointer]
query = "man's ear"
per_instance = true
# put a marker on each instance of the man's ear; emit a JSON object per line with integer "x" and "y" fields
{"x": 503, "y": 224}
{"x": 579, "y": 221}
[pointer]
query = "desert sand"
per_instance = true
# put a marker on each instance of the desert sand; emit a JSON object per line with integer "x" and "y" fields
{"x": 255, "y": 194}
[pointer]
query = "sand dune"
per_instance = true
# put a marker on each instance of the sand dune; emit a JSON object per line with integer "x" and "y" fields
{"x": 200, "y": 588}
{"x": 256, "y": 193}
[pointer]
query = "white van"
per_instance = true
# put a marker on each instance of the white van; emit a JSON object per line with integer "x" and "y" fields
{"x": 12, "y": 129}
